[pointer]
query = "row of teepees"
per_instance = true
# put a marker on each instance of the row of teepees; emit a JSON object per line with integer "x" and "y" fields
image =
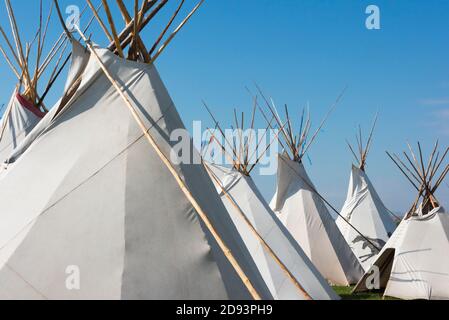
{"x": 138, "y": 226}
{"x": 342, "y": 250}
{"x": 320, "y": 240}
{"x": 284, "y": 266}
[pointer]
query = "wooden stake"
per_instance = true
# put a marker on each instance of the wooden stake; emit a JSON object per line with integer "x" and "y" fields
{"x": 225, "y": 152}
{"x": 440, "y": 180}
{"x": 16, "y": 58}
{"x": 400, "y": 168}
{"x": 11, "y": 65}
{"x": 278, "y": 121}
{"x": 173, "y": 35}
{"x": 264, "y": 152}
{"x": 413, "y": 166}
{"x": 290, "y": 130}
{"x": 61, "y": 20}
{"x": 126, "y": 36}
{"x": 161, "y": 36}
{"x": 429, "y": 165}
{"x": 221, "y": 131}
{"x": 251, "y": 133}
{"x": 269, "y": 122}
{"x": 331, "y": 110}
{"x": 112, "y": 25}
{"x": 39, "y": 51}
{"x": 18, "y": 42}
{"x": 100, "y": 21}
{"x": 440, "y": 162}
{"x": 128, "y": 20}
{"x": 66, "y": 61}
{"x": 413, "y": 175}
{"x": 370, "y": 139}
{"x": 354, "y": 154}
{"x": 416, "y": 166}
{"x": 240, "y": 135}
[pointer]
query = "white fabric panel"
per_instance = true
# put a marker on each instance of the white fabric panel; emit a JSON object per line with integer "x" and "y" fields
{"x": 250, "y": 202}
{"x": 366, "y": 212}
{"x": 80, "y": 58}
{"x": 18, "y": 124}
{"x": 420, "y": 266}
{"x": 101, "y": 199}
{"x": 307, "y": 218}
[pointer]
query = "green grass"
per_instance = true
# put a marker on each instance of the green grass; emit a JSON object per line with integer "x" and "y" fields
{"x": 346, "y": 294}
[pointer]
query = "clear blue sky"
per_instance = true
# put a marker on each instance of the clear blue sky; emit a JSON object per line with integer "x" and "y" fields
{"x": 309, "y": 50}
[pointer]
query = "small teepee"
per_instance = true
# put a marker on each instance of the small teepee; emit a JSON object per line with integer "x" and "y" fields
{"x": 107, "y": 215}
{"x": 364, "y": 209}
{"x": 285, "y": 268}
{"x": 414, "y": 264}
{"x": 303, "y": 211}
{"x": 26, "y": 106}
{"x": 19, "y": 119}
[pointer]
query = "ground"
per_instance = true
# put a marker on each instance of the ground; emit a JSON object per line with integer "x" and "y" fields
{"x": 346, "y": 294}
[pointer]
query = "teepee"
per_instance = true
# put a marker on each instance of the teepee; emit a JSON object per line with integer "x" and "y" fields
{"x": 112, "y": 217}
{"x": 285, "y": 268}
{"x": 19, "y": 119}
{"x": 364, "y": 209}
{"x": 25, "y": 108}
{"x": 32, "y": 64}
{"x": 414, "y": 263}
{"x": 302, "y": 209}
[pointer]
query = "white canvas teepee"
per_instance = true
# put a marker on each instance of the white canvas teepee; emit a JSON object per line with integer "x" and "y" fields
{"x": 300, "y": 207}
{"x": 108, "y": 207}
{"x": 307, "y": 218}
{"x": 244, "y": 201}
{"x": 364, "y": 210}
{"x": 20, "y": 118}
{"x": 27, "y": 104}
{"x": 414, "y": 263}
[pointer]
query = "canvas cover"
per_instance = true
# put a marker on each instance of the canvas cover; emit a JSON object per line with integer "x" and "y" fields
{"x": 89, "y": 195}
{"x": 18, "y": 121}
{"x": 307, "y": 218}
{"x": 247, "y": 198}
{"x": 414, "y": 264}
{"x": 366, "y": 212}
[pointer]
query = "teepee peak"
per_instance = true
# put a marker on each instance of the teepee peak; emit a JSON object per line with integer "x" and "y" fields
{"x": 425, "y": 176}
{"x": 124, "y": 37}
{"x": 363, "y": 148}
{"x": 295, "y": 145}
